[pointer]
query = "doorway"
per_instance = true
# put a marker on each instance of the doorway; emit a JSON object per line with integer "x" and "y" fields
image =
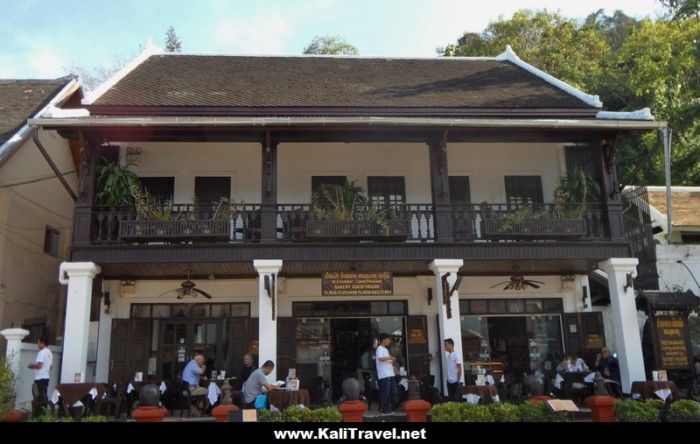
{"x": 508, "y": 339}
{"x": 182, "y": 339}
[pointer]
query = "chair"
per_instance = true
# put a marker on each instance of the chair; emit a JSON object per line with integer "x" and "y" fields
{"x": 613, "y": 388}
{"x": 316, "y": 389}
{"x": 113, "y": 400}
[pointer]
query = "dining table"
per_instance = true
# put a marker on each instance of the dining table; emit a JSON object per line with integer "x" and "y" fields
{"x": 74, "y": 392}
{"x": 486, "y": 394}
{"x": 285, "y": 398}
{"x": 655, "y": 389}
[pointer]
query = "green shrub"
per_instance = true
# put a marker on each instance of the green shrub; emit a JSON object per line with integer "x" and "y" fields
{"x": 447, "y": 412}
{"x": 505, "y": 412}
{"x": 656, "y": 402}
{"x": 301, "y": 414}
{"x": 685, "y": 410}
{"x": 94, "y": 418}
{"x": 45, "y": 416}
{"x": 627, "y": 410}
{"x": 268, "y": 416}
{"x": 475, "y": 413}
{"x": 539, "y": 412}
{"x": 325, "y": 414}
{"x": 7, "y": 388}
{"x": 294, "y": 414}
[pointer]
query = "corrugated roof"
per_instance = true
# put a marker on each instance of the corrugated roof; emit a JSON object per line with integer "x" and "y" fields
{"x": 685, "y": 203}
{"x": 333, "y": 82}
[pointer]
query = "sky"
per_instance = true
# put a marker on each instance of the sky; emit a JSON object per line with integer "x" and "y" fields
{"x": 45, "y": 38}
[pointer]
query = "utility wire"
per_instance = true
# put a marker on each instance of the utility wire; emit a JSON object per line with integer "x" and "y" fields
{"x": 35, "y": 180}
{"x": 689, "y": 271}
{"x": 36, "y": 203}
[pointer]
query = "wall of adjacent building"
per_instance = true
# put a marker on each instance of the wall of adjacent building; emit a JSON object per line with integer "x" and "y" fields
{"x": 28, "y": 277}
{"x": 674, "y": 276}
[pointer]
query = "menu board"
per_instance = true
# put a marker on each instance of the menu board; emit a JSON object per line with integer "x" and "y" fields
{"x": 672, "y": 345}
{"x": 357, "y": 284}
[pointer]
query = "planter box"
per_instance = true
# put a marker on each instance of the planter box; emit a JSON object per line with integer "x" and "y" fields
{"x": 355, "y": 230}
{"x": 498, "y": 228}
{"x": 174, "y": 231}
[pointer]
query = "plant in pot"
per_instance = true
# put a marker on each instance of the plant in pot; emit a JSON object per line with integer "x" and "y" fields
{"x": 115, "y": 185}
{"x": 8, "y": 393}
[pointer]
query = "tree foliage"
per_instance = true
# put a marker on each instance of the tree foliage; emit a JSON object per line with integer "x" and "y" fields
{"x": 631, "y": 64}
{"x": 682, "y": 8}
{"x": 172, "y": 42}
{"x": 330, "y": 45}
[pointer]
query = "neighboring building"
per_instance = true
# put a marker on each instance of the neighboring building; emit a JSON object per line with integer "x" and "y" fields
{"x": 463, "y": 156}
{"x": 36, "y": 212}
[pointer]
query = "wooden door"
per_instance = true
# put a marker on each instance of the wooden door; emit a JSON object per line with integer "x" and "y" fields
{"x": 417, "y": 345}
{"x": 118, "y": 365}
{"x": 286, "y": 346}
{"x": 584, "y": 334}
{"x": 130, "y": 346}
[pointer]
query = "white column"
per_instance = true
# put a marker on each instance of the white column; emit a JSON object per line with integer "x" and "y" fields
{"x": 14, "y": 338}
{"x": 104, "y": 337}
{"x": 78, "y": 276}
{"x": 449, "y": 328}
{"x": 267, "y": 327}
{"x": 628, "y": 343}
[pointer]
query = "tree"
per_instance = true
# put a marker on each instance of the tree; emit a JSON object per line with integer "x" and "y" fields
{"x": 330, "y": 45}
{"x": 630, "y": 64}
{"x": 91, "y": 78}
{"x": 682, "y": 8}
{"x": 172, "y": 42}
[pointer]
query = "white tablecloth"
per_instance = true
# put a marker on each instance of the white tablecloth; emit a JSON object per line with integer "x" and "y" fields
{"x": 213, "y": 393}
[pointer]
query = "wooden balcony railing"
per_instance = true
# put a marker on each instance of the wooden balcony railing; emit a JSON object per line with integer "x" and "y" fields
{"x": 401, "y": 223}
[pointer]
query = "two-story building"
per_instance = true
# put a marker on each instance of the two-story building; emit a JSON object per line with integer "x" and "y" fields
{"x": 459, "y": 235}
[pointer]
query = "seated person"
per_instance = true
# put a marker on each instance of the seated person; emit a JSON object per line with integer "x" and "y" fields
{"x": 572, "y": 363}
{"x": 191, "y": 374}
{"x": 257, "y": 381}
{"x": 248, "y": 367}
{"x": 607, "y": 365}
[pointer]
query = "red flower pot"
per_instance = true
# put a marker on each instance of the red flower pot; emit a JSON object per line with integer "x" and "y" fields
{"x": 602, "y": 408}
{"x": 416, "y": 410}
{"x": 149, "y": 414}
{"x": 16, "y": 416}
{"x": 220, "y": 412}
{"x": 353, "y": 411}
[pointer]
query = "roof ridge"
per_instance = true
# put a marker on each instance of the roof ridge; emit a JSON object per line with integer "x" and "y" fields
{"x": 324, "y": 56}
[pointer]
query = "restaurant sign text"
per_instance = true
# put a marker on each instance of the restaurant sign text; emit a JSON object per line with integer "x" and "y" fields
{"x": 357, "y": 284}
{"x": 672, "y": 345}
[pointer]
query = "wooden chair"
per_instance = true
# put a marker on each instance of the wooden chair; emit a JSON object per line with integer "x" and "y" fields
{"x": 113, "y": 401}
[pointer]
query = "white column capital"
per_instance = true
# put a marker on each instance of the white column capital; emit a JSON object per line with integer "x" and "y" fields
{"x": 620, "y": 265}
{"x": 441, "y": 266}
{"x": 77, "y": 269}
{"x": 14, "y": 334}
{"x": 267, "y": 266}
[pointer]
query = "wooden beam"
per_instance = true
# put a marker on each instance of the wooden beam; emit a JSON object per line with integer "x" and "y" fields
{"x": 269, "y": 189}
{"x": 52, "y": 165}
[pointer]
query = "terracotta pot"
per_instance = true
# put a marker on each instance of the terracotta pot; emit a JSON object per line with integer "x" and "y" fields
{"x": 602, "y": 408}
{"x": 539, "y": 399}
{"x": 353, "y": 411}
{"x": 16, "y": 416}
{"x": 416, "y": 410}
{"x": 149, "y": 414}
{"x": 220, "y": 412}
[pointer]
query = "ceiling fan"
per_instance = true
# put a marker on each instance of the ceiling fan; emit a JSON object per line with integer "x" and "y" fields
{"x": 518, "y": 282}
{"x": 188, "y": 288}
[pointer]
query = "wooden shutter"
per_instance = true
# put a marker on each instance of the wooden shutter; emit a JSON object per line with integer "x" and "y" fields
{"x": 583, "y": 158}
{"x": 162, "y": 188}
{"x": 522, "y": 190}
{"x": 118, "y": 365}
{"x": 318, "y": 181}
{"x": 386, "y": 190}
{"x": 286, "y": 346}
{"x": 584, "y": 334}
{"x": 462, "y": 217}
{"x": 460, "y": 193}
{"x": 238, "y": 343}
{"x": 417, "y": 345}
{"x": 253, "y": 335}
{"x": 211, "y": 189}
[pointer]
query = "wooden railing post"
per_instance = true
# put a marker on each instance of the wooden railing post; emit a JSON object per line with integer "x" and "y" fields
{"x": 82, "y": 215}
{"x": 440, "y": 189}
{"x": 268, "y": 223}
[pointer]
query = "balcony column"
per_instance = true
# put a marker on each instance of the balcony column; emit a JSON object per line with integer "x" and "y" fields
{"x": 628, "y": 343}
{"x": 605, "y": 155}
{"x": 268, "y": 223}
{"x": 440, "y": 189}
{"x": 78, "y": 276}
{"x": 82, "y": 215}
{"x": 267, "y": 311}
{"x": 449, "y": 326}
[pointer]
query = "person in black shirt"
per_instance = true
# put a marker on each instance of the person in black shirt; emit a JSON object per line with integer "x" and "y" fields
{"x": 248, "y": 368}
{"x": 607, "y": 365}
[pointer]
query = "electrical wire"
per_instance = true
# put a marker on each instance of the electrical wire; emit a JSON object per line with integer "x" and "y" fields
{"x": 35, "y": 180}
{"x": 36, "y": 203}
{"x": 689, "y": 271}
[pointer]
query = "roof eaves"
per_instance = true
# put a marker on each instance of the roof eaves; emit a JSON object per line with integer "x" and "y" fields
{"x": 511, "y": 56}
{"x": 640, "y": 114}
{"x": 147, "y": 52}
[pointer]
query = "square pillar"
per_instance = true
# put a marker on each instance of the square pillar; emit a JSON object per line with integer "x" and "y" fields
{"x": 78, "y": 276}
{"x": 628, "y": 343}
{"x": 448, "y": 327}
{"x": 267, "y": 311}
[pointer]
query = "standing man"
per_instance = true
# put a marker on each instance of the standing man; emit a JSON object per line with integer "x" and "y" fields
{"x": 454, "y": 370}
{"x": 385, "y": 374}
{"x": 42, "y": 372}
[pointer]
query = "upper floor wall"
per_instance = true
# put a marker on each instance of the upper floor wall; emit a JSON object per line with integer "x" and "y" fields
{"x": 486, "y": 165}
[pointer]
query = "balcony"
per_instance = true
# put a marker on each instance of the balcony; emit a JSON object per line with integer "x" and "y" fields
{"x": 408, "y": 223}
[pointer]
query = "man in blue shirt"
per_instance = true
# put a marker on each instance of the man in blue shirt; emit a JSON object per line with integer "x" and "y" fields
{"x": 192, "y": 372}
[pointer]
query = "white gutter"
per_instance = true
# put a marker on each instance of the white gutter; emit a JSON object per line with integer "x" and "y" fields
{"x": 25, "y": 132}
{"x": 290, "y": 122}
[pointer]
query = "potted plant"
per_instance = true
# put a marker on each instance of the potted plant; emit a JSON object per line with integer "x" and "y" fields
{"x": 8, "y": 394}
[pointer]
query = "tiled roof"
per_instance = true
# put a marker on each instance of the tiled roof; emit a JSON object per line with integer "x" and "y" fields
{"x": 333, "y": 82}
{"x": 685, "y": 203}
{"x": 20, "y": 99}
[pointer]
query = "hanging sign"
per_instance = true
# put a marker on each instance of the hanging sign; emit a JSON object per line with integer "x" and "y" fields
{"x": 357, "y": 284}
{"x": 672, "y": 345}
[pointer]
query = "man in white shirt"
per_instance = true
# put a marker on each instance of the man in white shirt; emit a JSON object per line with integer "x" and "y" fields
{"x": 42, "y": 370}
{"x": 454, "y": 370}
{"x": 385, "y": 374}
